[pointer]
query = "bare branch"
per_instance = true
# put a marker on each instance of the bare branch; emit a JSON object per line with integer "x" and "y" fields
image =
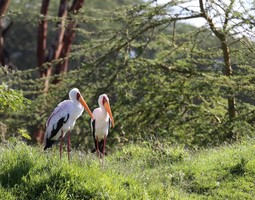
{"x": 227, "y": 12}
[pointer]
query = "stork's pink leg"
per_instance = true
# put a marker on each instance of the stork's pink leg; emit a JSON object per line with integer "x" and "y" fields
{"x": 104, "y": 148}
{"x": 97, "y": 149}
{"x": 60, "y": 146}
{"x": 69, "y": 145}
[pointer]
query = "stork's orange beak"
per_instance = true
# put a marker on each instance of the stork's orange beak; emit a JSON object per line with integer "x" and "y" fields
{"x": 84, "y": 104}
{"x": 109, "y": 111}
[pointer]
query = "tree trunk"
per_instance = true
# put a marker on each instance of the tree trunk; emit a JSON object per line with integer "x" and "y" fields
{"x": 228, "y": 71}
{"x": 42, "y": 36}
{"x": 4, "y": 56}
{"x": 45, "y": 71}
{"x": 68, "y": 39}
{"x": 221, "y": 35}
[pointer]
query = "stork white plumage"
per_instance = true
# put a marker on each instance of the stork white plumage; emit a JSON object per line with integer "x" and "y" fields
{"x": 63, "y": 118}
{"x": 100, "y": 124}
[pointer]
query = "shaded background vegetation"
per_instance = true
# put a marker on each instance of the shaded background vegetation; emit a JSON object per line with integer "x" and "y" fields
{"x": 166, "y": 79}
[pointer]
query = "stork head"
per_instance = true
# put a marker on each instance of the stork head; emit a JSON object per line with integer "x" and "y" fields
{"x": 76, "y": 96}
{"x": 104, "y": 102}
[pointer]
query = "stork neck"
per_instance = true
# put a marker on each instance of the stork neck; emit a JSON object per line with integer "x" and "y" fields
{"x": 103, "y": 110}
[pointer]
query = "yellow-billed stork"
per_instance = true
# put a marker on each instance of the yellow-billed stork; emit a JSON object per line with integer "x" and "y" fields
{"x": 100, "y": 124}
{"x": 63, "y": 118}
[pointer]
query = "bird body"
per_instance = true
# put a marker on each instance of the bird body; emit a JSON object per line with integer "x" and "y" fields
{"x": 65, "y": 114}
{"x": 63, "y": 118}
{"x": 100, "y": 125}
{"x": 102, "y": 122}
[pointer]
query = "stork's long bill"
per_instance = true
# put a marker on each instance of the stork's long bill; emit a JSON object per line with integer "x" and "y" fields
{"x": 84, "y": 104}
{"x": 108, "y": 110}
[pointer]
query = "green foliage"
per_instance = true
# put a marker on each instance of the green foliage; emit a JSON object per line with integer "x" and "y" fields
{"x": 141, "y": 171}
{"x": 24, "y": 133}
{"x": 163, "y": 85}
{"x": 11, "y": 99}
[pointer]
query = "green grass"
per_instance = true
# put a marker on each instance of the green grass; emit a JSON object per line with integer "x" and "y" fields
{"x": 144, "y": 171}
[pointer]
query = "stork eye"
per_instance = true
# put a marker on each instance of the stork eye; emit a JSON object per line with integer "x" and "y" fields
{"x": 78, "y": 96}
{"x": 104, "y": 100}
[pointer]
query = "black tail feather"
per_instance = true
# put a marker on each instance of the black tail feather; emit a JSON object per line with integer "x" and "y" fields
{"x": 48, "y": 143}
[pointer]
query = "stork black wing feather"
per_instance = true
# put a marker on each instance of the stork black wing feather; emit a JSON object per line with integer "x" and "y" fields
{"x": 60, "y": 123}
{"x": 93, "y": 133}
{"x": 48, "y": 143}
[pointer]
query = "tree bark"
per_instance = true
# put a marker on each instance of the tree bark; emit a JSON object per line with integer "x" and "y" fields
{"x": 42, "y": 35}
{"x": 45, "y": 71}
{"x": 229, "y": 72}
{"x": 4, "y": 56}
{"x": 58, "y": 44}
{"x": 68, "y": 39}
{"x": 61, "y": 47}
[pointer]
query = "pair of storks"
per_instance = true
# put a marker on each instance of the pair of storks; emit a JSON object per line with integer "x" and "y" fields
{"x": 63, "y": 118}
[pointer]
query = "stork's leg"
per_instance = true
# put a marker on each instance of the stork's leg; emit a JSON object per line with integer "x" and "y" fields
{"x": 69, "y": 145}
{"x": 97, "y": 149}
{"x": 104, "y": 148}
{"x": 60, "y": 146}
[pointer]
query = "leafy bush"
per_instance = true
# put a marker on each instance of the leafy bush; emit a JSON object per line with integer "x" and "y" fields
{"x": 10, "y": 99}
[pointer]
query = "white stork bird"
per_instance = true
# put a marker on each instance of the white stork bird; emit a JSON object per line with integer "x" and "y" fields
{"x": 101, "y": 123}
{"x": 62, "y": 119}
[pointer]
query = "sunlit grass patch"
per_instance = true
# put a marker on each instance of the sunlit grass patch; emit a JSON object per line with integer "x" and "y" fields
{"x": 212, "y": 171}
{"x": 137, "y": 171}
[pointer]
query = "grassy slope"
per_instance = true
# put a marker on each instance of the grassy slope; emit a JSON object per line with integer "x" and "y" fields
{"x": 135, "y": 172}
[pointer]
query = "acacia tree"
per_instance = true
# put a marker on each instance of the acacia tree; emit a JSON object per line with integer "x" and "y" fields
{"x": 228, "y": 21}
{"x": 173, "y": 82}
{"x": 191, "y": 100}
{"x": 163, "y": 81}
